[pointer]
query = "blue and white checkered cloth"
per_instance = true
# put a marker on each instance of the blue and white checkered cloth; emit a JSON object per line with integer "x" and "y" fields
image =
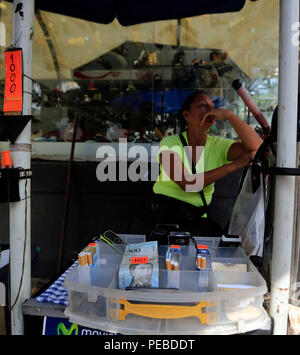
{"x": 56, "y": 293}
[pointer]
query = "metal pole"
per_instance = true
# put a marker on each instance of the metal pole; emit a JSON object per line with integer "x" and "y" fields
{"x": 67, "y": 199}
{"x": 286, "y": 157}
{"x": 20, "y": 217}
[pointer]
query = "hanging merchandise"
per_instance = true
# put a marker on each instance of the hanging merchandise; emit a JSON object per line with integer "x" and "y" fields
{"x": 248, "y": 216}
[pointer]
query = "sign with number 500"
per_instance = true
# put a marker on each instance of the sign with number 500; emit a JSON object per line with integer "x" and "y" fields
{"x": 13, "y": 81}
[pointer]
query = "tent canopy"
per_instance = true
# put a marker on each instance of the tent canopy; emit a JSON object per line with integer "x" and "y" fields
{"x": 105, "y": 11}
{"x": 76, "y": 42}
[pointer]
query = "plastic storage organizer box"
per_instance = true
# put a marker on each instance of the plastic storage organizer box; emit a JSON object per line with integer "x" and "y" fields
{"x": 187, "y": 302}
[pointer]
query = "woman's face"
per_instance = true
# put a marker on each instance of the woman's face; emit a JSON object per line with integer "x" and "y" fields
{"x": 201, "y": 105}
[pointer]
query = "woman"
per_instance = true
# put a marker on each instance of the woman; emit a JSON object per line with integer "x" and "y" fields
{"x": 178, "y": 186}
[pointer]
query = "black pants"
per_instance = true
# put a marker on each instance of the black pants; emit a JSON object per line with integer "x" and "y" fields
{"x": 166, "y": 210}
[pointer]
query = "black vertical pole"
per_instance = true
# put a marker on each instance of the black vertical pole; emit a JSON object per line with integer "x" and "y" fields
{"x": 67, "y": 198}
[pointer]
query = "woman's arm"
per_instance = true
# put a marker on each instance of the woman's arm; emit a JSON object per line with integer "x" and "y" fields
{"x": 250, "y": 140}
{"x": 175, "y": 169}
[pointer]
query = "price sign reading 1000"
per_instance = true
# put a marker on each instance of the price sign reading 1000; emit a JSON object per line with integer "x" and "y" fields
{"x": 13, "y": 81}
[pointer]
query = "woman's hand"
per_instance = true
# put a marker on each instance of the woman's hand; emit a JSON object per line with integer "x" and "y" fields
{"x": 221, "y": 113}
{"x": 244, "y": 160}
{"x": 215, "y": 114}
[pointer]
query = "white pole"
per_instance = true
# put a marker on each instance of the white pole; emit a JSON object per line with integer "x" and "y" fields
{"x": 20, "y": 217}
{"x": 286, "y": 157}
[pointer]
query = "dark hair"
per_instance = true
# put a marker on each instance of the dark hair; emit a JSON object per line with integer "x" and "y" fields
{"x": 189, "y": 100}
{"x": 187, "y": 104}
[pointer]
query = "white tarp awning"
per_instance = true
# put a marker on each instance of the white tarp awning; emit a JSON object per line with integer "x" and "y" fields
{"x": 250, "y": 37}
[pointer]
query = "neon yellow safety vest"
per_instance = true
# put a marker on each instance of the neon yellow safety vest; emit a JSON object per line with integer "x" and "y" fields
{"x": 213, "y": 156}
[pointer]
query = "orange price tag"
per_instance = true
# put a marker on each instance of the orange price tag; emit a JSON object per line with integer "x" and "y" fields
{"x": 139, "y": 260}
{"x": 13, "y": 100}
{"x": 202, "y": 246}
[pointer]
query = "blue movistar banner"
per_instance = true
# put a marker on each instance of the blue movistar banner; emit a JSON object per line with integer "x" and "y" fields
{"x": 61, "y": 326}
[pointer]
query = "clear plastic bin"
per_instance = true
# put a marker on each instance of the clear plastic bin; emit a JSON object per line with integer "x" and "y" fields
{"x": 187, "y": 301}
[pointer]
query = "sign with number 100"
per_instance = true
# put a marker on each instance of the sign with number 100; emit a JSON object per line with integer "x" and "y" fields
{"x": 13, "y": 100}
